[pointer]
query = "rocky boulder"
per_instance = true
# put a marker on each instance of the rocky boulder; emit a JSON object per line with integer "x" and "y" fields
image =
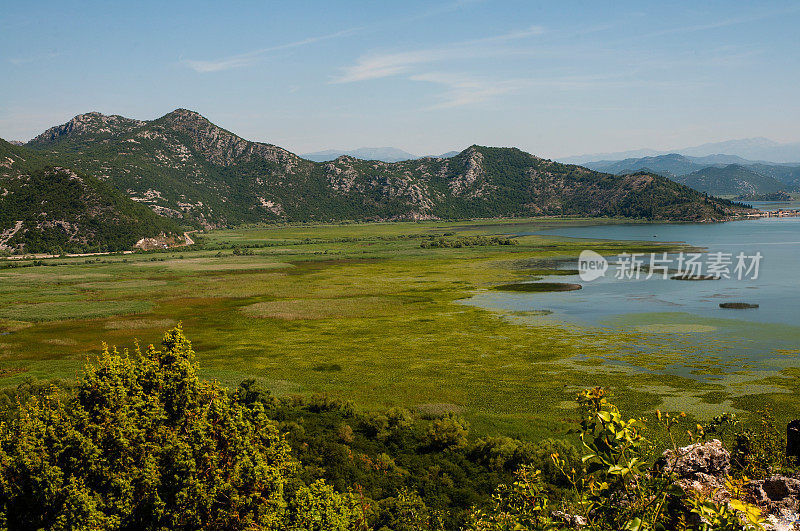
{"x": 793, "y": 439}
{"x": 779, "y": 499}
{"x": 702, "y": 467}
{"x": 705, "y": 467}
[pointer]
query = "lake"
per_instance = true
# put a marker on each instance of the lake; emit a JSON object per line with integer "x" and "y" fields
{"x": 693, "y": 333}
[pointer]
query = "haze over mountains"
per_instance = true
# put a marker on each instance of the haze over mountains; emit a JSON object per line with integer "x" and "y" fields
{"x": 192, "y": 173}
{"x": 756, "y": 149}
{"x": 720, "y": 175}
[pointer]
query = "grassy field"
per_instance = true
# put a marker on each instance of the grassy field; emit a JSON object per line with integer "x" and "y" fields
{"x": 361, "y": 311}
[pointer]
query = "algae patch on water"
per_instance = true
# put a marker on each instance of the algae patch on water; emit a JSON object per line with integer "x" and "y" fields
{"x": 538, "y": 287}
{"x": 690, "y": 277}
{"x": 737, "y": 305}
{"x": 674, "y": 328}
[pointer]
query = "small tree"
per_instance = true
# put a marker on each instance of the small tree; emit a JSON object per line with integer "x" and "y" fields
{"x": 449, "y": 431}
{"x": 318, "y": 507}
{"x": 519, "y": 506}
{"x": 407, "y": 512}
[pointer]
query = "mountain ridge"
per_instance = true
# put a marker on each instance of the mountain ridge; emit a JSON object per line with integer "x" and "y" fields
{"x": 757, "y": 149}
{"x": 715, "y": 174}
{"x": 731, "y": 180}
{"x": 383, "y": 154}
{"x": 184, "y": 167}
{"x": 92, "y": 124}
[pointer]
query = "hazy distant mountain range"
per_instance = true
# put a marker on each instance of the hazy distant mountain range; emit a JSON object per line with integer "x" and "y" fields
{"x": 384, "y": 154}
{"x": 756, "y": 149}
{"x": 80, "y": 183}
{"x": 720, "y": 175}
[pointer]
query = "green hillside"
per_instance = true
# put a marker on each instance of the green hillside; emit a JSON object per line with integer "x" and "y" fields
{"x": 52, "y": 209}
{"x": 185, "y": 167}
{"x": 785, "y": 173}
{"x": 731, "y": 180}
{"x": 667, "y": 165}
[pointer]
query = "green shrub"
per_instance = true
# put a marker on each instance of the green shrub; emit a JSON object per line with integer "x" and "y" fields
{"x": 449, "y": 431}
{"x": 146, "y": 444}
{"x": 761, "y": 451}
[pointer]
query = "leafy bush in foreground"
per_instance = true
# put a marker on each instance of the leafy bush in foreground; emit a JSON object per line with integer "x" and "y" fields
{"x": 145, "y": 444}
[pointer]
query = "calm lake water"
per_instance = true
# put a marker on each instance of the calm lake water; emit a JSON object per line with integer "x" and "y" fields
{"x": 686, "y": 314}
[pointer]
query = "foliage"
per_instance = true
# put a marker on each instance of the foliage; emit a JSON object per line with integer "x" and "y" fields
{"x": 449, "y": 431}
{"x": 618, "y": 489}
{"x": 406, "y": 512}
{"x": 761, "y": 451}
{"x": 521, "y": 505}
{"x": 12, "y": 399}
{"x": 465, "y": 241}
{"x": 145, "y": 443}
{"x": 732, "y": 516}
{"x": 403, "y": 467}
{"x": 318, "y": 507}
{"x": 721, "y": 426}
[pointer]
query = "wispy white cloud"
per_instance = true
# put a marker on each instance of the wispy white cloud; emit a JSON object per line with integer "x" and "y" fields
{"x": 434, "y": 65}
{"x": 17, "y": 61}
{"x": 461, "y": 90}
{"x": 249, "y": 58}
{"x": 441, "y": 9}
{"x": 390, "y": 64}
{"x": 723, "y": 23}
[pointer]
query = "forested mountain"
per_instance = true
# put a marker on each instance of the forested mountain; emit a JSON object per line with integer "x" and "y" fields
{"x": 51, "y": 209}
{"x": 787, "y": 174}
{"x": 667, "y": 165}
{"x": 731, "y": 180}
{"x": 187, "y": 168}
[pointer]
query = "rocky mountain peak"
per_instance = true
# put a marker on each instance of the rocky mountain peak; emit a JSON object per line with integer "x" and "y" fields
{"x": 92, "y": 124}
{"x": 186, "y": 116}
{"x": 193, "y": 123}
{"x": 218, "y": 145}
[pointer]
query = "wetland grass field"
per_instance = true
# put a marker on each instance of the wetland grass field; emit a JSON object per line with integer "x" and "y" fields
{"x": 363, "y": 312}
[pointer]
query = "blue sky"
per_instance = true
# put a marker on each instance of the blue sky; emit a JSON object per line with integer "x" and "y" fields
{"x": 553, "y": 78}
